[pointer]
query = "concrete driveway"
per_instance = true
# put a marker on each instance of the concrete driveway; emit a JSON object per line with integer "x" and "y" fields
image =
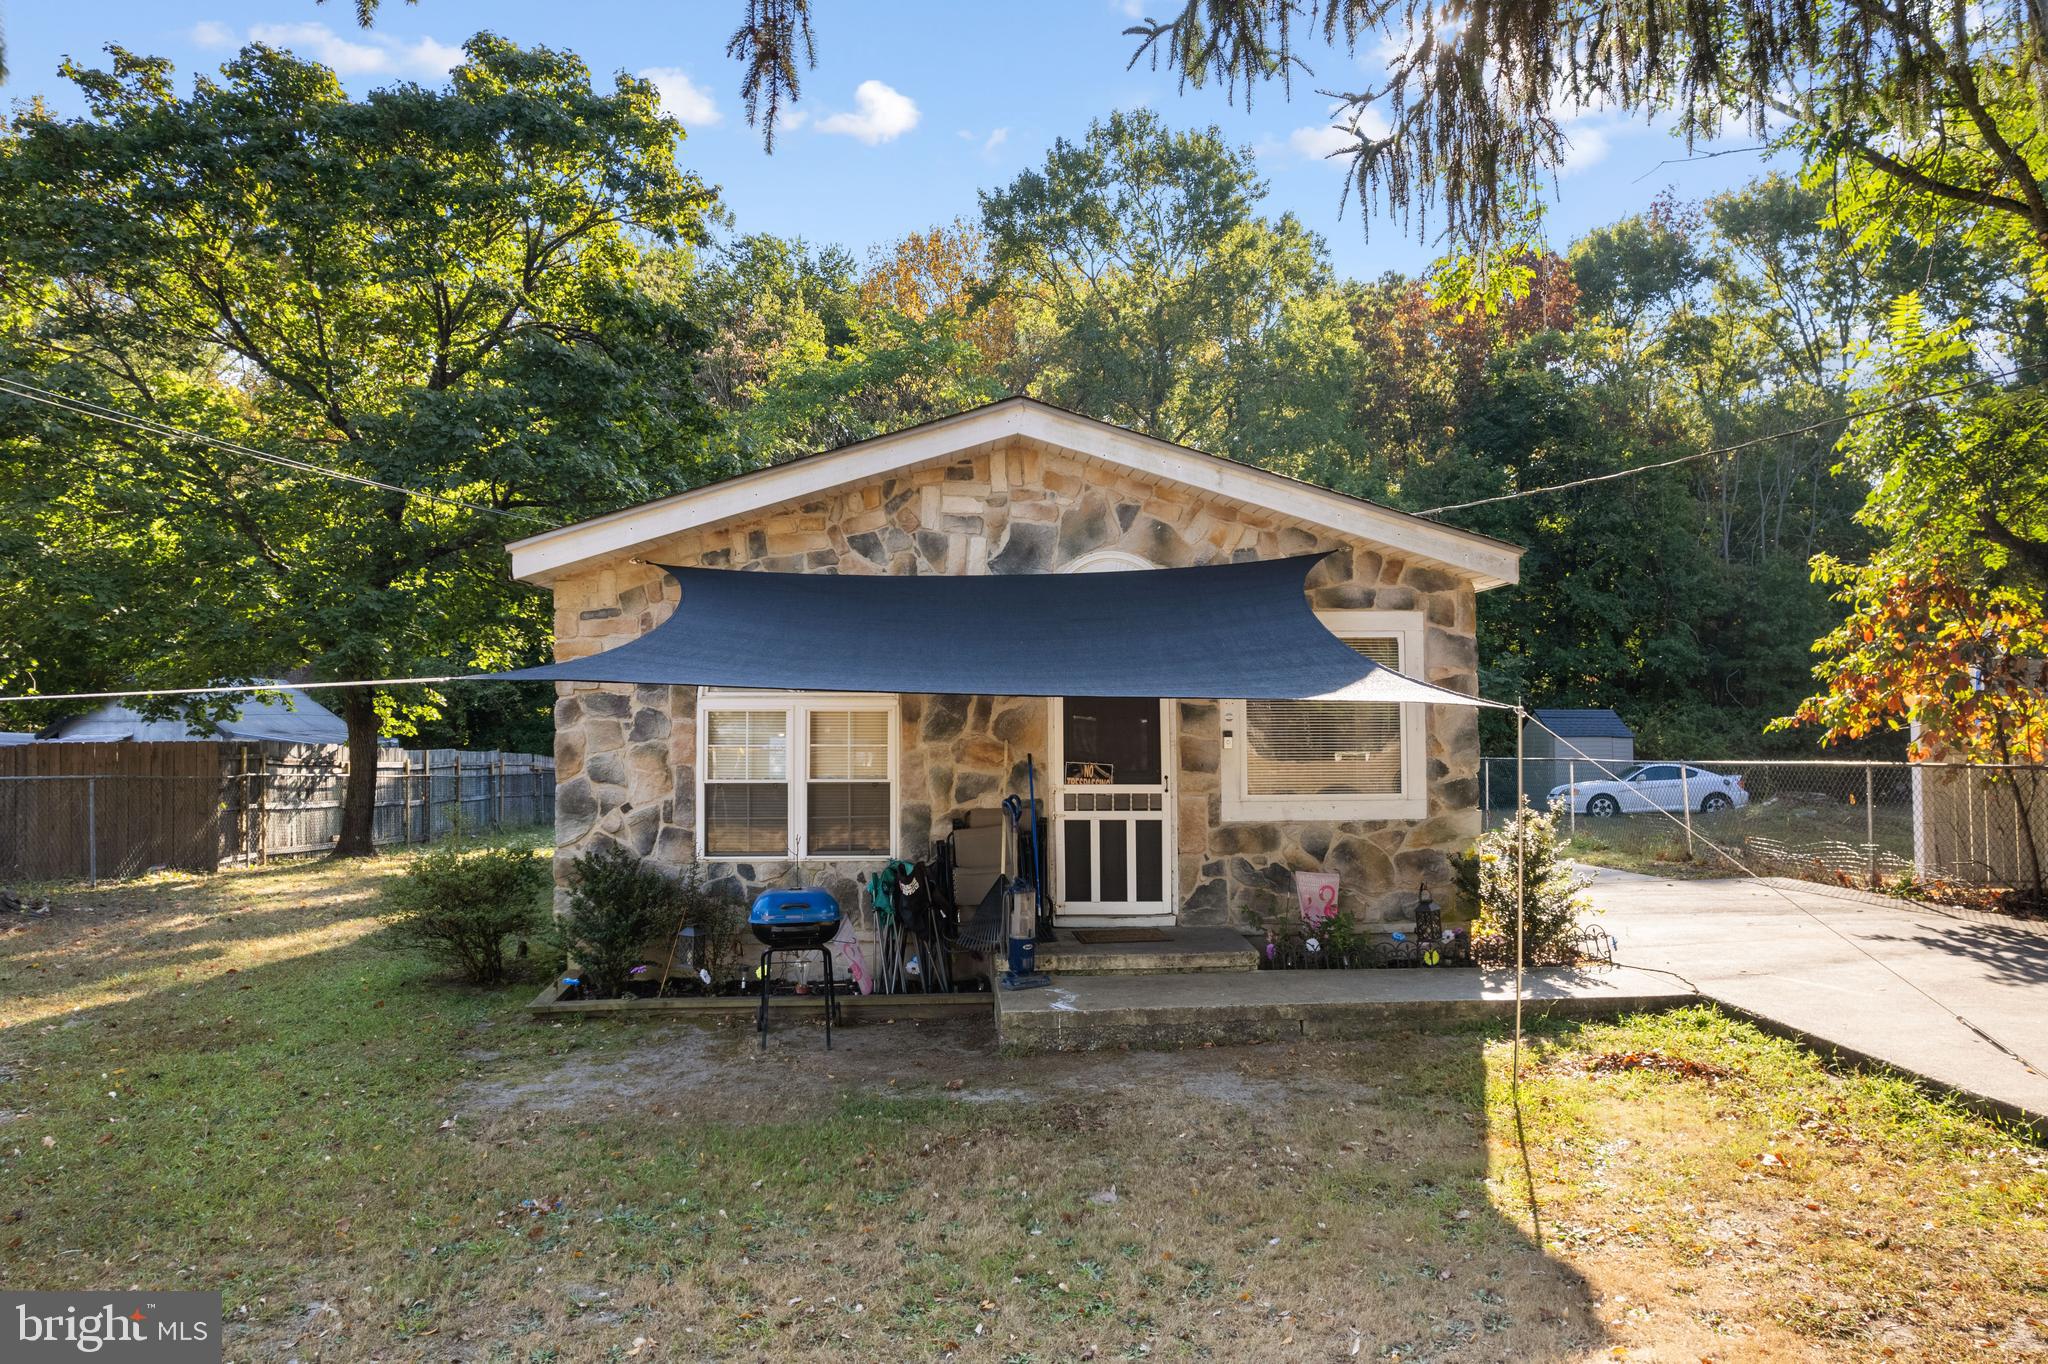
{"x": 1801, "y": 956}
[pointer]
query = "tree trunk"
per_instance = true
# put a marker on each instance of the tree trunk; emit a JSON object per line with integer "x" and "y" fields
{"x": 359, "y": 796}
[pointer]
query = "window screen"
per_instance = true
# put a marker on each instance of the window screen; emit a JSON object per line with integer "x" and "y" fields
{"x": 746, "y": 783}
{"x": 847, "y": 793}
{"x": 1326, "y": 748}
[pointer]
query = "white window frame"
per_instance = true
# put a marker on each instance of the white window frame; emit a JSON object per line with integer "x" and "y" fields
{"x": 798, "y": 707}
{"x": 1408, "y": 629}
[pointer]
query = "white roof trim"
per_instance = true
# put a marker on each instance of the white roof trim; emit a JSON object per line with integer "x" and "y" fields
{"x": 1490, "y": 562}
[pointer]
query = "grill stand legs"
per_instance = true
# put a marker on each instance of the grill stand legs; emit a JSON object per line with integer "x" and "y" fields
{"x": 768, "y": 976}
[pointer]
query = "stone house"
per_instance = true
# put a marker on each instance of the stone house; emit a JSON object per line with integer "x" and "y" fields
{"x": 1191, "y": 812}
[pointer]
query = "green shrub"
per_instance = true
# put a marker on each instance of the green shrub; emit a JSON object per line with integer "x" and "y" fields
{"x": 1553, "y": 891}
{"x": 617, "y": 906}
{"x": 719, "y": 920}
{"x": 461, "y": 907}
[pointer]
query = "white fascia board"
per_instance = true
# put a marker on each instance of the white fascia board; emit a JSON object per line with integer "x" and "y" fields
{"x": 1490, "y": 563}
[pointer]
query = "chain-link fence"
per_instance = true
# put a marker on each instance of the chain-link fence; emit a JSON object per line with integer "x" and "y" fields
{"x": 1853, "y": 822}
{"x": 96, "y": 827}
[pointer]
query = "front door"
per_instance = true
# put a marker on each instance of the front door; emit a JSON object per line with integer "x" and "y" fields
{"x": 1112, "y": 813}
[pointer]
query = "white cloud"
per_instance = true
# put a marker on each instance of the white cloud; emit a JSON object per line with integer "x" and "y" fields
{"x": 690, "y": 103}
{"x": 1130, "y": 9}
{"x": 435, "y": 59}
{"x": 376, "y": 54}
{"x": 1318, "y": 142}
{"x": 995, "y": 140}
{"x": 324, "y": 45}
{"x": 882, "y": 114}
{"x": 1587, "y": 148}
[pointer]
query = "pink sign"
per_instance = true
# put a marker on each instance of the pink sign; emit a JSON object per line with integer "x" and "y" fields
{"x": 1317, "y": 891}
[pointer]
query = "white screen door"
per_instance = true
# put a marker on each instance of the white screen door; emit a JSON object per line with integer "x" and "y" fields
{"x": 1111, "y": 814}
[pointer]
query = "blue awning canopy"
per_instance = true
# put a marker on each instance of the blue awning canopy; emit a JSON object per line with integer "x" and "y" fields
{"x": 1224, "y": 631}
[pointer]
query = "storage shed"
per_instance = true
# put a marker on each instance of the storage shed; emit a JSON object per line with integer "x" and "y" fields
{"x": 1556, "y": 739}
{"x": 291, "y": 717}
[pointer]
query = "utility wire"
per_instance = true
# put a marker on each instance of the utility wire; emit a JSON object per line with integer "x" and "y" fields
{"x": 1909, "y": 400}
{"x": 1789, "y": 899}
{"x": 84, "y": 407}
{"x": 248, "y": 687}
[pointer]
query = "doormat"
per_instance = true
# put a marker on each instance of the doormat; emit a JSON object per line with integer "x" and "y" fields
{"x": 1108, "y": 935}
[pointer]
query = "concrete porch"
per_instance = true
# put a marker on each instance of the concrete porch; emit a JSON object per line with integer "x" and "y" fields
{"x": 1165, "y": 1009}
{"x": 1175, "y": 949}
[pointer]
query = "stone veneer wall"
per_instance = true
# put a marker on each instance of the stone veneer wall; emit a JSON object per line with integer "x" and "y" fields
{"x": 625, "y": 755}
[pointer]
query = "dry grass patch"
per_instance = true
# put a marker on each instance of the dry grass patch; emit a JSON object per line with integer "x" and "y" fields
{"x": 232, "y": 1083}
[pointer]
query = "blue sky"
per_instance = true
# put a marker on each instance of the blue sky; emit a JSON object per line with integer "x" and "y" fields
{"x": 914, "y": 105}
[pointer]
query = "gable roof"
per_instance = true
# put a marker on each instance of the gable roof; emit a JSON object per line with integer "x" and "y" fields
{"x": 1489, "y": 562}
{"x": 1595, "y": 723}
{"x": 291, "y": 717}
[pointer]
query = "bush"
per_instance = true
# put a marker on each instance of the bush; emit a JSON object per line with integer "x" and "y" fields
{"x": 460, "y": 907}
{"x": 1554, "y": 893}
{"x": 617, "y": 905}
{"x": 719, "y": 921}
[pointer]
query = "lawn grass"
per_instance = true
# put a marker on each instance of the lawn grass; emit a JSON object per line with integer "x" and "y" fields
{"x": 1655, "y": 844}
{"x": 233, "y": 1083}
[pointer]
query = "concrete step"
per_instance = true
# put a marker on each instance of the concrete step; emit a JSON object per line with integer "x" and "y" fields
{"x": 1171, "y": 1010}
{"x": 1183, "y": 950}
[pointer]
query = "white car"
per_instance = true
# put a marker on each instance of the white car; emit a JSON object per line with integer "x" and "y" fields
{"x": 1655, "y": 786}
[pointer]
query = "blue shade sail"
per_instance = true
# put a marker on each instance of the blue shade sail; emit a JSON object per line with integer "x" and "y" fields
{"x": 1241, "y": 631}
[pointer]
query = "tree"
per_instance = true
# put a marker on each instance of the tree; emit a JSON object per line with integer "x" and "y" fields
{"x": 1150, "y": 293}
{"x": 807, "y": 352}
{"x": 425, "y": 288}
{"x": 1947, "y": 627}
{"x": 1938, "y": 96}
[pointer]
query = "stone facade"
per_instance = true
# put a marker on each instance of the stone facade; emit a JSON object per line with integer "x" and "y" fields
{"x": 625, "y": 756}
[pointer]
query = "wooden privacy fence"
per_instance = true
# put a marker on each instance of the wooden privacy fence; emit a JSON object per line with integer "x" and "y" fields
{"x": 291, "y": 799}
{"x": 86, "y": 811}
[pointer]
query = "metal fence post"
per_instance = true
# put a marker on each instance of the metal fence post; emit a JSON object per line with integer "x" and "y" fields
{"x": 262, "y": 806}
{"x": 1485, "y": 794}
{"x": 1571, "y": 796}
{"x": 92, "y": 832}
{"x": 1870, "y": 817}
{"x": 1685, "y": 795}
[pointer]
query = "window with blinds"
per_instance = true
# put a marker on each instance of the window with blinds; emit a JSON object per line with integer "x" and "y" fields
{"x": 847, "y": 795}
{"x": 803, "y": 778}
{"x": 1326, "y": 748}
{"x": 746, "y": 783}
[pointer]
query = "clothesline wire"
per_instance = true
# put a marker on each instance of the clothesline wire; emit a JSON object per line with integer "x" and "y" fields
{"x": 1893, "y": 405}
{"x": 85, "y": 407}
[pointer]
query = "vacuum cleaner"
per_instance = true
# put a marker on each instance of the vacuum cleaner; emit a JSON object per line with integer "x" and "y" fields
{"x": 1025, "y": 893}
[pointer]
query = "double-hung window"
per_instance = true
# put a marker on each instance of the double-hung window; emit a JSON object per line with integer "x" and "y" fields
{"x": 1334, "y": 760}
{"x": 795, "y": 776}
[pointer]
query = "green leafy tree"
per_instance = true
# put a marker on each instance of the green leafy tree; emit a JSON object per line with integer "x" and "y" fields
{"x": 1150, "y": 293}
{"x": 1947, "y": 627}
{"x": 808, "y": 351}
{"x": 429, "y": 288}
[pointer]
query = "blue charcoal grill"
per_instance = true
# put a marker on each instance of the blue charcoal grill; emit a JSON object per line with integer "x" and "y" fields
{"x": 795, "y": 921}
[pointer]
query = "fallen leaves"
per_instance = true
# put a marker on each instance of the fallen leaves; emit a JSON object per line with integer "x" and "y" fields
{"x": 1608, "y": 1062}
